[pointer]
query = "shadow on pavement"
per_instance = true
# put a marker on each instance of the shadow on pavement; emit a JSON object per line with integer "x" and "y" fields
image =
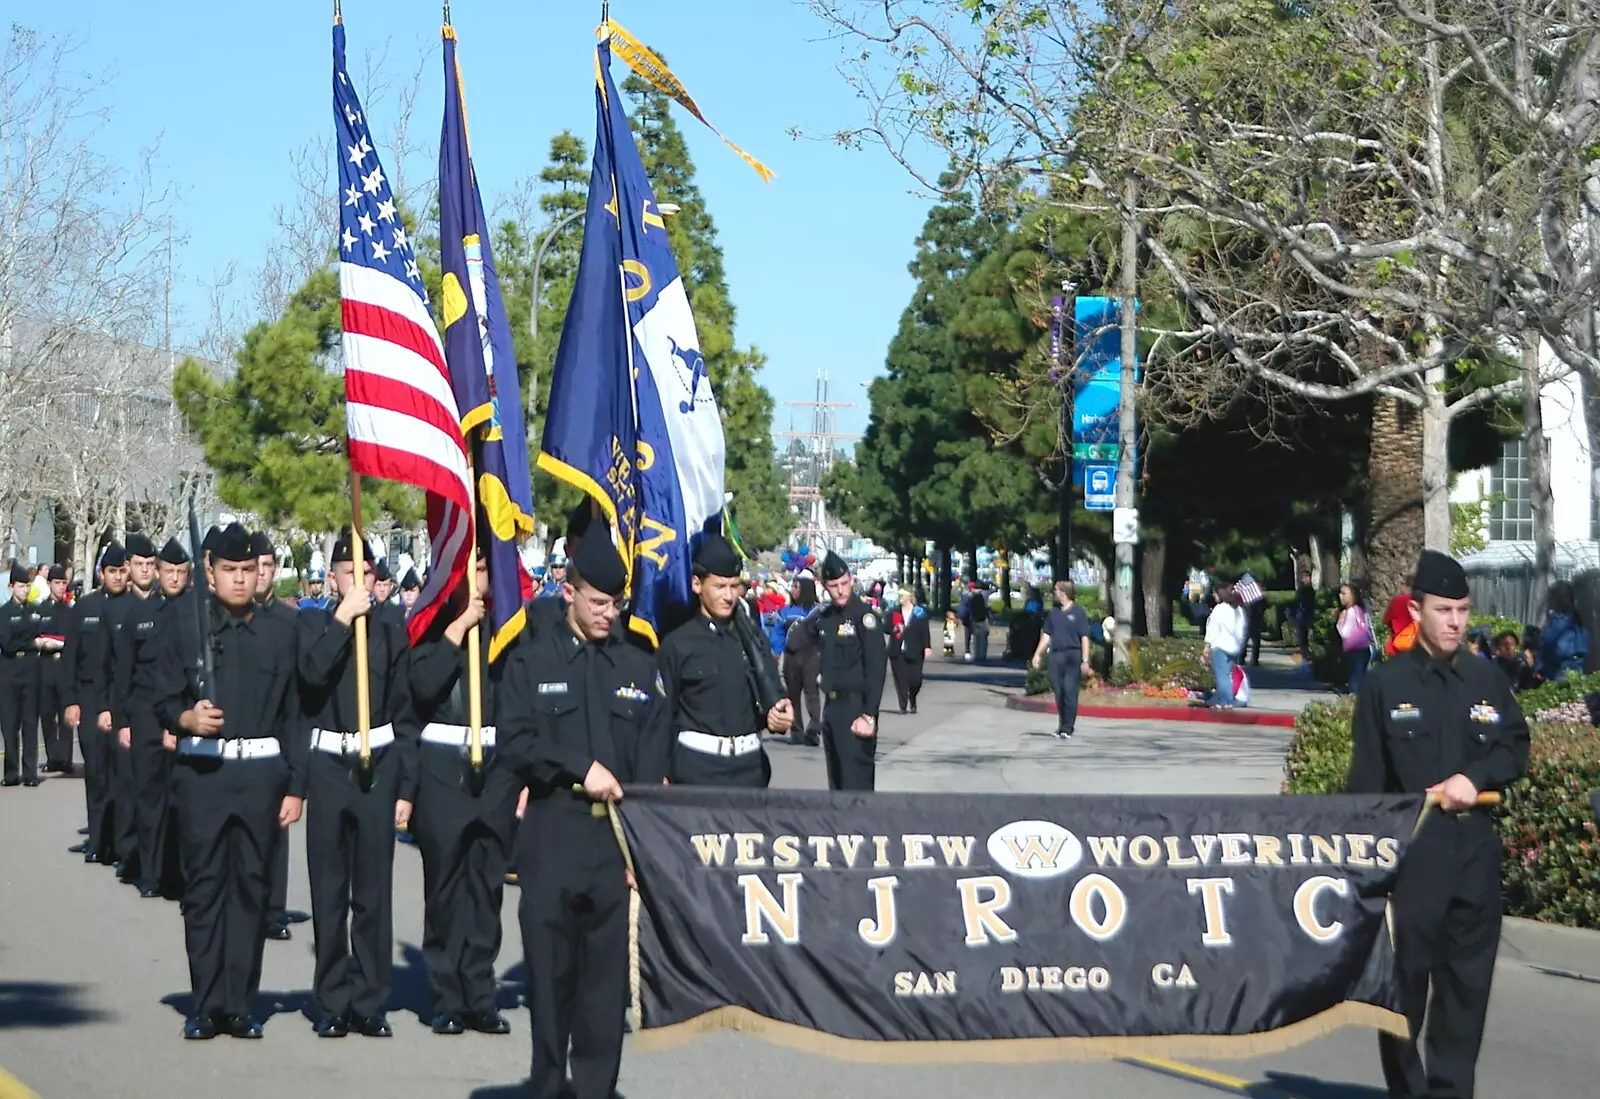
{"x": 38, "y": 1004}
{"x": 411, "y": 990}
{"x": 504, "y": 1091}
{"x": 1310, "y": 1087}
{"x": 268, "y": 1003}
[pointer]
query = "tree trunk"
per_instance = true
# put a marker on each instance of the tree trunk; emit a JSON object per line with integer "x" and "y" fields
{"x": 1152, "y": 580}
{"x": 1005, "y": 586}
{"x": 1394, "y": 533}
{"x": 1542, "y": 497}
{"x": 1127, "y": 415}
{"x": 1326, "y": 551}
{"x": 1435, "y": 465}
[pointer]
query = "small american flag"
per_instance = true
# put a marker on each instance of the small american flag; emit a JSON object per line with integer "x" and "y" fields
{"x": 400, "y": 411}
{"x": 1248, "y": 590}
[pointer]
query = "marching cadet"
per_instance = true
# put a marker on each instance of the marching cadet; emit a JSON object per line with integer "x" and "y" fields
{"x": 238, "y": 778}
{"x": 1439, "y": 721}
{"x": 410, "y": 588}
{"x": 315, "y": 599}
{"x": 267, "y": 602}
{"x": 54, "y": 621}
{"x": 854, "y": 665}
{"x": 354, "y": 810}
{"x": 712, "y": 686}
{"x": 462, "y": 822}
{"x": 124, "y": 793}
{"x": 581, "y": 712}
{"x": 87, "y": 658}
{"x": 133, "y": 708}
{"x": 19, "y": 682}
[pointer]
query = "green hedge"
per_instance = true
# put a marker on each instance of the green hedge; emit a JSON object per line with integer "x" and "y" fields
{"x": 1569, "y": 688}
{"x": 1550, "y": 871}
{"x": 1161, "y": 661}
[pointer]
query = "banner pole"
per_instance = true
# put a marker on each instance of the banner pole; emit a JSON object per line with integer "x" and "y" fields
{"x": 358, "y": 562}
{"x": 474, "y": 644}
{"x": 633, "y": 915}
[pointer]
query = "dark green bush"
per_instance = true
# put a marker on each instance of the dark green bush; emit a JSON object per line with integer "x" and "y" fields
{"x": 1160, "y": 661}
{"x": 1037, "y": 682}
{"x": 1550, "y": 871}
{"x": 1496, "y": 625}
{"x": 1569, "y": 688}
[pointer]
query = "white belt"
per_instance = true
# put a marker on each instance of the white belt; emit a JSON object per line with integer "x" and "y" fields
{"x": 211, "y": 747}
{"x": 713, "y": 745}
{"x": 339, "y": 743}
{"x": 456, "y": 736}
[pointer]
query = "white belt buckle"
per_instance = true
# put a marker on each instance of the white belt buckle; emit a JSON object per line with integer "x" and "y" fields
{"x": 232, "y": 749}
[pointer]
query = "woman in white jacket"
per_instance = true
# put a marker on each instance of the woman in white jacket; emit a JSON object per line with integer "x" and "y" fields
{"x": 1226, "y": 630}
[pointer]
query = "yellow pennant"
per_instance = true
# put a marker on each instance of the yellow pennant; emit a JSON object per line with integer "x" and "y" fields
{"x": 652, "y": 68}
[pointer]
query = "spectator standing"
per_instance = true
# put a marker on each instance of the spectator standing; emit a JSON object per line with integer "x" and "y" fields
{"x": 1401, "y": 621}
{"x": 977, "y": 622}
{"x": 1226, "y": 628}
{"x": 1563, "y": 642}
{"x": 1305, "y": 614}
{"x": 1065, "y": 639}
{"x": 1516, "y": 662}
{"x": 1355, "y": 634}
{"x": 910, "y": 644}
{"x": 802, "y": 663}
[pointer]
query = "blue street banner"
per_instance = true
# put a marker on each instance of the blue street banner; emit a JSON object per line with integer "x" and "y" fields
{"x": 1098, "y": 401}
{"x": 632, "y": 418}
{"x": 483, "y": 363}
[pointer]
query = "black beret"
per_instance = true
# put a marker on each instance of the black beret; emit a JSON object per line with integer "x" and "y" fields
{"x": 343, "y": 551}
{"x": 578, "y": 521}
{"x": 833, "y": 567}
{"x": 139, "y": 545}
{"x": 58, "y": 572}
{"x": 113, "y": 556}
{"x": 261, "y": 545}
{"x": 173, "y": 553}
{"x": 19, "y": 574}
{"x": 716, "y": 556}
{"x": 1440, "y": 574}
{"x": 380, "y": 571}
{"x": 232, "y": 544}
{"x": 410, "y": 582}
{"x": 209, "y": 540}
{"x": 600, "y": 566}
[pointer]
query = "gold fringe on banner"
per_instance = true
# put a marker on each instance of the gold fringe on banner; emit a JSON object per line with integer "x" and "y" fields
{"x": 642, "y": 61}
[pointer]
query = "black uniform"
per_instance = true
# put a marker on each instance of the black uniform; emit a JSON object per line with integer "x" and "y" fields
{"x": 908, "y": 643}
{"x": 567, "y": 704}
{"x": 716, "y": 719}
{"x": 228, "y": 791}
{"x": 86, "y": 660}
{"x": 119, "y": 618}
{"x": 55, "y": 621}
{"x": 278, "y": 898}
{"x": 350, "y": 816}
{"x": 463, "y": 824}
{"x": 19, "y": 691}
{"x": 1419, "y": 721}
{"x": 134, "y": 679}
{"x": 854, "y": 665}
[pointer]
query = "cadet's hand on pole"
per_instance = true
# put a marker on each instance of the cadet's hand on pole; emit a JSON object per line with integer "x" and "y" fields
{"x": 633, "y": 883}
{"x": 402, "y": 813}
{"x": 780, "y": 719}
{"x": 1456, "y": 793}
{"x": 169, "y": 741}
{"x": 103, "y": 722}
{"x": 456, "y": 632}
{"x": 204, "y": 720}
{"x": 864, "y": 727}
{"x": 355, "y": 604}
{"x": 600, "y": 784}
{"x": 522, "y": 802}
{"x": 289, "y": 811}
{"x": 125, "y": 737}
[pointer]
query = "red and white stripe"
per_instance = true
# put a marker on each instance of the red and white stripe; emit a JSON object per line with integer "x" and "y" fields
{"x": 402, "y": 419}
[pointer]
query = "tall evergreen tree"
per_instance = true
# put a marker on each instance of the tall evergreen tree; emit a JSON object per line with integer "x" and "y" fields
{"x": 759, "y": 499}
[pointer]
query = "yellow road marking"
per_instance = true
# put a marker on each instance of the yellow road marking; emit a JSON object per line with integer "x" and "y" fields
{"x": 1195, "y": 1074}
{"x": 12, "y": 1088}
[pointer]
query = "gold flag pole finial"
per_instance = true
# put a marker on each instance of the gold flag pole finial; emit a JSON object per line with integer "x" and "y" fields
{"x": 338, "y": 15}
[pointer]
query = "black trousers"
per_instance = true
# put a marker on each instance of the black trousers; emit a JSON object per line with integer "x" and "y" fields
{"x": 57, "y": 733}
{"x": 695, "y": 768}
{"x": 800, "y": 678}
{"x": 227, "y": 830}
{"x": 350, "y": 854}
{"x": 1065, "y": 670}
{"x": 152, "y": 780}
{"x": 95, "y": 745}
{"x": 574, "y": 917}
{"x": 851, "y": 760}
{"x": 1446, "y": 907}
{"x": 125, "y": 807}
{"x": 907, "y": 679}
{"x": 465, "y": 843}
{"x": 278, "y": 897}
{"x": 19, "y": 716}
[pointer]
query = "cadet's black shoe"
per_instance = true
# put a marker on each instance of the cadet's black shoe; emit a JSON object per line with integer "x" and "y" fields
{"x": 813, "y": 739}
{"x": 488, "y": 1022}
{"x": 373, "y": 1026}
{"x": 913, "y": 707}
{"x": 199, "y": 1028}
{"x": 30, "y": 782}
{"x": 243, "y": 1026}
{"x": 150, "y": 892}
{"x": 90, "y": 855}
{"x": 279, "y": 932}
{"x": 11, "y": 782}
{"x": 448, "y": 1023}
{"x": 333, "y": 1026}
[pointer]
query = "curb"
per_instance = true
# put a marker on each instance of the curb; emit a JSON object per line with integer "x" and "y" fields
{"x": 1556, "y": 949}
{"x": 12, "y": 1088}
{"x": 1044, "y": 705}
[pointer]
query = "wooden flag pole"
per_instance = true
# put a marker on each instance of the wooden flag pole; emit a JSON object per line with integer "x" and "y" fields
{"x": 358, "y": 562}
{"x": 474, "y": 641}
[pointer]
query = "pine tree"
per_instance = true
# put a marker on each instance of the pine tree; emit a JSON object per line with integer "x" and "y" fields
{"x": 759, "y": 500}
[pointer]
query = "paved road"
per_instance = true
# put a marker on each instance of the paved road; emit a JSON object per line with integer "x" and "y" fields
{"x": 93, "y": 981}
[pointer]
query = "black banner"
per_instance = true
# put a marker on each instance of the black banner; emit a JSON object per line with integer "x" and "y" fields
{"x": 989, "y": 927}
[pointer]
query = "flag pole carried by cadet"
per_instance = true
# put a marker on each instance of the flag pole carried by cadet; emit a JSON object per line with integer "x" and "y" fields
{"x": 363, "y": 673}
{"x": 483, "y": 378}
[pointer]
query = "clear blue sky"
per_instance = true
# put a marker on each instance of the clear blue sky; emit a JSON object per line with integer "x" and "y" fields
{"x": 816, "y": 262}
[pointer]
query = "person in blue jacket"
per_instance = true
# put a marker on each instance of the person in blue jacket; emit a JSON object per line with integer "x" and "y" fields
{"x": 1563, "y": 643}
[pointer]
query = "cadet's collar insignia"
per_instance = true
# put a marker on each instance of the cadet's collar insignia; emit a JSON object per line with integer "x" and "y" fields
{"x": 661, "y": 688}
{"x": 869, "y": 621}
{"x": 847, "y": 629}
{"x": 1405, "y": 712}
{"x": 633, "y": 694}
{"x": 552, "y": 688}
{"x": 1485, "y": 714}
{"x": 34, "y": 616}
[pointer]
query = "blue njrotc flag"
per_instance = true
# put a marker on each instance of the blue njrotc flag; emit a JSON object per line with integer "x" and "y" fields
{"x": 632, "y": 420}
{"x": 483, "y": 364}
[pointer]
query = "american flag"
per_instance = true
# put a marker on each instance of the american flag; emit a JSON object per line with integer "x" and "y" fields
{"x": 400, "y": 410}
{"x": 1248, "y": 591}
